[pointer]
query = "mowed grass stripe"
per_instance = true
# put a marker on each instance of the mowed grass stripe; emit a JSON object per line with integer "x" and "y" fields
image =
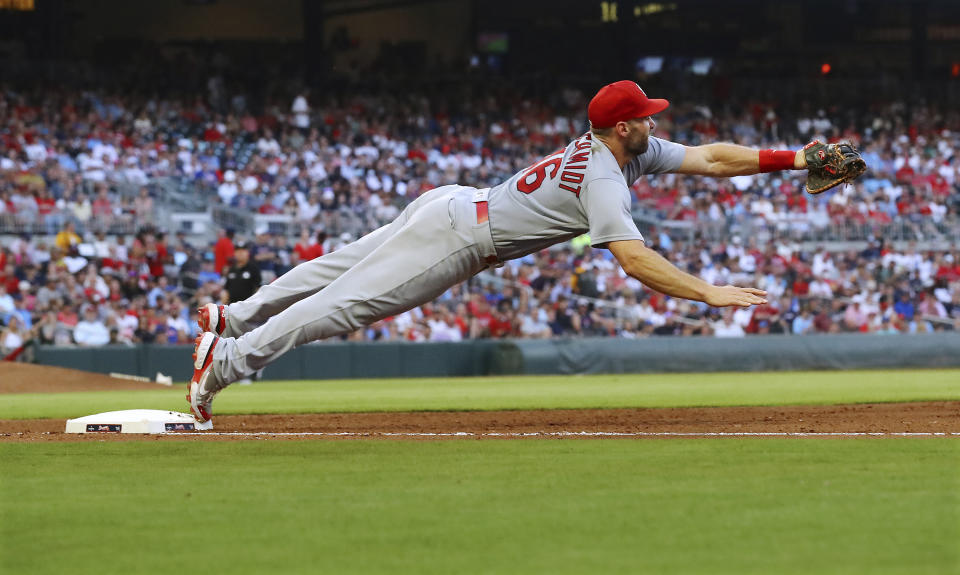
{"x": 591, "y": 506}
{"x": 540, "y": 392}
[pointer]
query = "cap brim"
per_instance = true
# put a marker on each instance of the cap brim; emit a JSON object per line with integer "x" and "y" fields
{"x": 655, "y": 106}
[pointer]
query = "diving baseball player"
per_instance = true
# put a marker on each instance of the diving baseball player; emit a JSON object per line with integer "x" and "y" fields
{"x": 453, "y": 232}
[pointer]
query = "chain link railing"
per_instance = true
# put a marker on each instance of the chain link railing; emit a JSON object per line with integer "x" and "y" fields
{"x": 944, "y": 233}
{"x": 51, "y": 224}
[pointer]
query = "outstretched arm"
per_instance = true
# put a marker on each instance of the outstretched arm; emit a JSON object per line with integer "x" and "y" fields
{"x": 725, "y": 160}
{"x": 653, "y": 270}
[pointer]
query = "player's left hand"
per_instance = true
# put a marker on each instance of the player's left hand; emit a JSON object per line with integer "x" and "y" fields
{"x": 831, "y": 165}
{"x": 723, "y": 296}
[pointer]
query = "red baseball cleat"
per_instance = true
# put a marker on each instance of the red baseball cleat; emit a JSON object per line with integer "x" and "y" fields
{"x": 201, "y": 390}
{"x": 212, "y": 318}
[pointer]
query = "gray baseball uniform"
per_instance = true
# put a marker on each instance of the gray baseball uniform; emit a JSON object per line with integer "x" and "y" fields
{"x": 444, "y": 237}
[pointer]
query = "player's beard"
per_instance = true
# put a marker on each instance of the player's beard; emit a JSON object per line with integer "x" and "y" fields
{"x": 637, "y": 146}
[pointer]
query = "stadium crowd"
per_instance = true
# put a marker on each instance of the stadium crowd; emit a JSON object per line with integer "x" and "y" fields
{"x": 147, "y": 291}
{"x": 62, "y": 154}
{"x": 341, "y": 167}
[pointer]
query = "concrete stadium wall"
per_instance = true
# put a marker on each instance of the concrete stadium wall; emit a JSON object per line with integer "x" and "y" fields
{"x": 564, "y": 356}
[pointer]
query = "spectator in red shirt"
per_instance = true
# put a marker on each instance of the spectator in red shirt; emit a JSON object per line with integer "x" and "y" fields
{"x": 156, "y": 253}
{"x": 68, "y": 316}
{"x": 501, "y": 323}
{"x": 822, "y": 322}
{"x": 948, "y": 269}
{"x": 103, "y": 207}
{"x": 479, "y": 308}
{"x": 222, "y": 250}
{"x": 48, "y": 211}
{"x": 762, "y": 315}
{"x": 9, "y": 280}
{"x": 310, "y": 248}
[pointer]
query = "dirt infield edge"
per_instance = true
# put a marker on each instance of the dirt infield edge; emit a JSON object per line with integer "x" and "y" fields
{"x": 918, "y": 417}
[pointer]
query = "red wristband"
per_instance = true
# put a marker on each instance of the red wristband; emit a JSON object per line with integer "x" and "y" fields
{"x": 773, "y": 160}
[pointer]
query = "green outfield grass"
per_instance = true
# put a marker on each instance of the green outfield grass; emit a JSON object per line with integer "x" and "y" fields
{"x": 585, "y": 506}
{"x": 553, "y": 392}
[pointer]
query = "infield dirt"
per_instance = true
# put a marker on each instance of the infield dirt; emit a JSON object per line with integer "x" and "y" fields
{"x": 30, "y": 378}
{"x": 920, "y": 417}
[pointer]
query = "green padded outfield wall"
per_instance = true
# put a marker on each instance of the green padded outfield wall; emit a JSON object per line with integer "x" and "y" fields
{"x": 761, "y": 353}
{"x": 556, "y": 356}
{"x": 314, "y": 361}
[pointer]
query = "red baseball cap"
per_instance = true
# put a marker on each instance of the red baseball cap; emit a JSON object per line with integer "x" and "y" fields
{"x": 622, "y": 101}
